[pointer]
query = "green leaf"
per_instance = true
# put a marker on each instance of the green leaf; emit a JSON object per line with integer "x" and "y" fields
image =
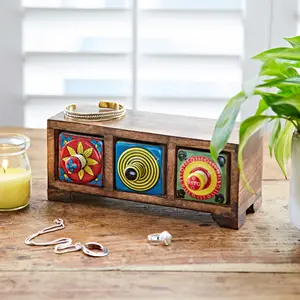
{"x": 276, "y": 68}
{"x": 289, "y": 106}
{"x": 286, "y": 110}
{"x": 292, "y": 81}
{"x": 282, "y": 146}
{"x": 293, "y": 101}
{"x": 294, "y": 41}
{"x": 291, "y": 63}
{"x": 247, "y": 129}
{"x": 286, "y": 93}
{"x": 288, "y": 85}
{"x": 292, "y": 54}
{"x": 225, "y": 124}
{"x": 274, "y": 135}
{"x": 262, "y": 106}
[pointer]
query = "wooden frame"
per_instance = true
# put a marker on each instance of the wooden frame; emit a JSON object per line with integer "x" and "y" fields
{"x": 161, "y": 129}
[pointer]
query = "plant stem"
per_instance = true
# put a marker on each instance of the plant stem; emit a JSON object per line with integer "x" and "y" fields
{"x": 295, "y": 124}
{"x": 293, "y": 121}
{"x": 298, "y": 125}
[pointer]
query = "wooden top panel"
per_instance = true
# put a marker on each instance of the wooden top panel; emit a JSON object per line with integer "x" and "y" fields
{"x": 162, "y": 124}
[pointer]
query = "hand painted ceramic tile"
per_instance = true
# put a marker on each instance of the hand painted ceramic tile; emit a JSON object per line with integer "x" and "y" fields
{"x": 199, "y": 178}
{"x": 81, "y": 159}
{"x": 139, "y": 168}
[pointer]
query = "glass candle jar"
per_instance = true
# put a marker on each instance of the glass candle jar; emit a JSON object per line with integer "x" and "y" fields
{"x": 15, "y": 172}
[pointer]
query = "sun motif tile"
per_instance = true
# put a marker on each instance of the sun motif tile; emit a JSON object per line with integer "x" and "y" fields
{"x": 81, "y": 159}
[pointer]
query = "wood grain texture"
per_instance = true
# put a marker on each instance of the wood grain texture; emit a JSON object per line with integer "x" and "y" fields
{"x": 253, "y": 160}
{"x": 109, "y": 175}
{"x": 255, "y": 206}
{"x": 143, "y": 285}
{"x": 267, "y": 237}
{"x": 194, "y": 133}
{"x": 260, "y": 261}
{"x": 149, "y": 199}
{"x": 154, "y": 124}
{"x": 171, "y": 171}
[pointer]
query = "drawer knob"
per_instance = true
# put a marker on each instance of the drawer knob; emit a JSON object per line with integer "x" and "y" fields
{"x": 197, "y": 180}
{"x": 135, "y": 171}
{"x": 75, "y": 163}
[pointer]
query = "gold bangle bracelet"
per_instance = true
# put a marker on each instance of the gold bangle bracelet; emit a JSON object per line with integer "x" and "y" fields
{"x": 105, "y": 111}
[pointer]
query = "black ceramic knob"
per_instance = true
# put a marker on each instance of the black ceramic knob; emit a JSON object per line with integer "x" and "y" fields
{"x": 131, "y": 174}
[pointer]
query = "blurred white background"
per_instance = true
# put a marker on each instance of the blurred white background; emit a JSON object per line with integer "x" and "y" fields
{"x": 173, "y": 56}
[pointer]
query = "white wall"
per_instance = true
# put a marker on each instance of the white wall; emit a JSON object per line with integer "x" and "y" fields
{"x": 11, "y": 104}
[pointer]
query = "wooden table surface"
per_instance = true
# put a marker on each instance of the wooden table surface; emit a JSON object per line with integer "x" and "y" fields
{"x": 260, "y": 261}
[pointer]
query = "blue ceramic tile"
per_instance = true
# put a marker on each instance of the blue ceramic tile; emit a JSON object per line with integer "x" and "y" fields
{"x": 154, "y": 150}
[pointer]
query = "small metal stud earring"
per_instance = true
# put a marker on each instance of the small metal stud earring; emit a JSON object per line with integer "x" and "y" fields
{"x": 163, "y": 238}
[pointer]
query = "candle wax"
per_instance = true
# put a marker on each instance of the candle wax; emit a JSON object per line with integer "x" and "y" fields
{"x": 14, "y": 188}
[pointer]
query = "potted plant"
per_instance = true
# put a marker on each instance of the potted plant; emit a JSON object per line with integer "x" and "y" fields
{"x": 279, "y": 90}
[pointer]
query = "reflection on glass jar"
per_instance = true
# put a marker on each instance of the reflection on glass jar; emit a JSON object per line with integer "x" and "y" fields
{"x": 15, "y": 172}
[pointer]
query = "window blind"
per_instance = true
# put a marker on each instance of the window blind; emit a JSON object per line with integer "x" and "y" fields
{"x": 186, "y": 56}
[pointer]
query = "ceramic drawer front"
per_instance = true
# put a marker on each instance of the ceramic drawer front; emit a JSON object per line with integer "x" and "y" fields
{"x": 81, "y": 159}
{"x": 139, "y": 168}
{"x": 199, "y": 178}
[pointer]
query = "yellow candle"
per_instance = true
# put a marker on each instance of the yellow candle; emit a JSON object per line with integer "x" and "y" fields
{"x": 14, "y": 187}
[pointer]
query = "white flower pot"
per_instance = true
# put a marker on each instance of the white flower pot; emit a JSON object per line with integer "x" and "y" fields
{"x": 294, "y": 203}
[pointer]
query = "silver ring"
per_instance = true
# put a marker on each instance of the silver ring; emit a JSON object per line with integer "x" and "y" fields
{"x": 164, "y": 238}
{"x": 87, "y": 249}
